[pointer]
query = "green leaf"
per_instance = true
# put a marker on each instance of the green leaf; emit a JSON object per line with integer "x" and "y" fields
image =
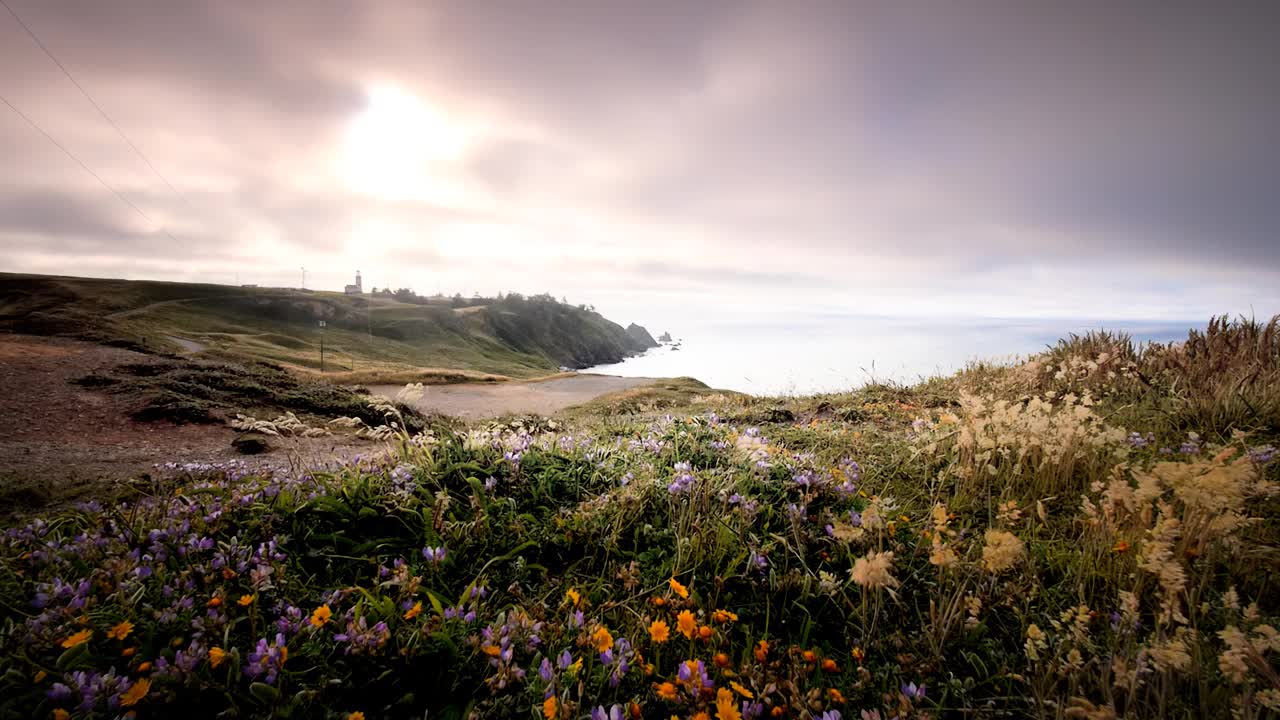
{"x": 264, "y": 693}
{"x": 71, "y": 656}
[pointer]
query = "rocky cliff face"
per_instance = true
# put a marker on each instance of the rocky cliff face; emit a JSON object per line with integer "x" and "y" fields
{"x": 641, "y": 335}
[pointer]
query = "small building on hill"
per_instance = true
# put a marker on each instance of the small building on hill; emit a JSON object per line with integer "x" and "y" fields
{"x": 357, "y": 289}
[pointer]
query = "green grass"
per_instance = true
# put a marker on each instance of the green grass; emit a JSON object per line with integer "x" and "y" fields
{"x": 514, "y": 337}
{"x": 1062, "y": 570}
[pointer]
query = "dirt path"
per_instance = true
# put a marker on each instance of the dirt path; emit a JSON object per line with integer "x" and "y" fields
{"x": 475, "y": 400}
{"x": 188, "y": 346}
{"x": 59, "y": 440}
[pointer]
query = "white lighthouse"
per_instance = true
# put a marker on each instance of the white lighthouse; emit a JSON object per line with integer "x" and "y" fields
{"x": 358, "y": 288}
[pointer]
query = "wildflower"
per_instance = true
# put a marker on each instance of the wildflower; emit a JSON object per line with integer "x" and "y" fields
{"x": 666, "y": 690}
{"x": 321, "y": 615}
{"x": 858, "y": 654}
{"x": 214, "y": 602}
{"x": 79, "y": 638}
{"x": 573, "y": 596}
{"x": 357, "y": 715}
{"x": 40, "y": 676}
{"x": 836, "y": 696}
{"x": 60, "y": 714}
{"x": 724, "y": 616}
{"x": 491, "y": 650}
{"x": 120, "y": 631}
{"x": 245, "y": 600}
{"x": 136, "y": 692}
{"x": 678, "y": 589}
{"x": 1120, "y": 547}
{"x": 414, "y": 611}
{"x": 741, "y": 690}
{"x": 705, "y": 632}
{"x": 874, "y": 571}
{"x": 144, "y": 667}
{"x": 550, "y": 707}
{"x": 602, "y": 639}
{"x": 721, "y": 660}
{"x": 614, "y": 713}
{"x": 659, "y": 631}
{"x": 913, "y": 692}
{"x": 216, "y": 656}
{"x": 725, "y": 707}
{"x": 829, "y": 665}
{"x": 1002, "y": 551}
{"x": 686, "y": 624}
{"x": 762, "y": 650}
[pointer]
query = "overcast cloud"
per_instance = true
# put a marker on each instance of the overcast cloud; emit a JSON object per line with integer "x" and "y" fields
{"x": 661, "y": 159}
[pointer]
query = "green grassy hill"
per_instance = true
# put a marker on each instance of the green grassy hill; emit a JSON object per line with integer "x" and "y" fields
{"x": 514, "y": 336}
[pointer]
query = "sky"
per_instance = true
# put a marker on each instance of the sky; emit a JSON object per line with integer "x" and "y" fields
{"x": 661, "y": 160}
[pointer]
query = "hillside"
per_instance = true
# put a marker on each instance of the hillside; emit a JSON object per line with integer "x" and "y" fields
{"x": 1091, "y": 534}
{"x": 514, "y": 336}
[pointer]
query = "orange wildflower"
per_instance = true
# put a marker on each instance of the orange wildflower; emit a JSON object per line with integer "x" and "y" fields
{"x": 573, "y": 596}
{"x": 702, "y": 715}
{"x": 414, "y": 611}
{"x": 659, "y": 631}
{"x": 721, "y": 660}
{"x": 726, "y": 709}
{"x": 40, "y": 676}
{"x": 120, "y": 631}
{"x": 678, "y": 589}
{"x": 658, "y": 601}
{"x": 550, "y": 707}
{"x": 686, "y": 624}
{"x": 704, "y": 632}
{"x": 144, "y": 666}
{"x": 835, "y": 695}
{"x": 79, "y": 638}
{"x": 741, "y": 690}
{"x": 666, "y": 690}
{"x": 136, "y": 692}
{"x": 217, "y": 656}
{"x": 1121, "y": 546}
{"x": 214, "y": 602}
{"x": 128, "y": 652}
{"x": 357, "y": 715}
{"x": 602, "y": 639}
{"x": 245, "y": 600}
{"x": 762, "y": 651}
{"x": 809, "y": 656}
{"x": 723, "y": 616}
{"x": 491, "y": 650}
{"x": 321, "y": 615}
{"x": 858, "y": 654}
{"x": 830, "y": 665}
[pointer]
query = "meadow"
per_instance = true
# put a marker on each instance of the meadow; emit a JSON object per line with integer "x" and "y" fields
{"x": 1091, "y": 533}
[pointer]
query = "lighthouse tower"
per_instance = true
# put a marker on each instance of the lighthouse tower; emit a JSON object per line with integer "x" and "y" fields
{"x": 357, "y": 289}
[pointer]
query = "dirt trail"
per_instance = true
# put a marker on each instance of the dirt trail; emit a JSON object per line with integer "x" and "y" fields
{"x": 59, "y": 440}
{"x": 476, "y": 400}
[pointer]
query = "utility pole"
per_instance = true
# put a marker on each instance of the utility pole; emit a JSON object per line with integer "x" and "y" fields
{"x": 304, "y": 279}
{"x": 322, "y": 346}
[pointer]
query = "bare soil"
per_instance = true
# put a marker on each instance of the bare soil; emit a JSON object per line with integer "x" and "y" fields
{"x": 540, "y": 397}
{"x": 60, "y": 441}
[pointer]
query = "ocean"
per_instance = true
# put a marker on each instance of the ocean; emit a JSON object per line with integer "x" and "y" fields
{"x": 837, "y": 354}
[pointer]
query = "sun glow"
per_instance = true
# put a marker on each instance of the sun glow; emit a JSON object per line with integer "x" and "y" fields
{"x": 398, "y": 148}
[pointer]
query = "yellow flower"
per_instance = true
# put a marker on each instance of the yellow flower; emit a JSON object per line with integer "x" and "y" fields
{"x": 245, "y": 600}
{"x": 602, "y": 639}
{"x": 659, "y": 631}
{"x": 79, "y": 638}
{"x": 741, "y": 690}
{"x": 414, "y": 611}
{"x": 321, "y": 615}
{"x": 666, "y": 690}
{"x": 725, "y": 709}
{"x": 357, "y": 715}
{"x": 724, "y": 616}
{"x": 120, "y": 631}
{"x": 136, "y": 692}
{"x": 549, "y": 707}
{"x": 686, "y": 624}
{"x": 573, "y": 596}
{"x": 216, "y": 656}
{"x": 701, "y": 716}
{"x": 1002, "y": 551}
{"x": 678, "y": 589}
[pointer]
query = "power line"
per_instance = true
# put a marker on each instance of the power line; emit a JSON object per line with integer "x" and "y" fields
{"x": 93, "y": 102}
{"x": 86, "y": 168}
